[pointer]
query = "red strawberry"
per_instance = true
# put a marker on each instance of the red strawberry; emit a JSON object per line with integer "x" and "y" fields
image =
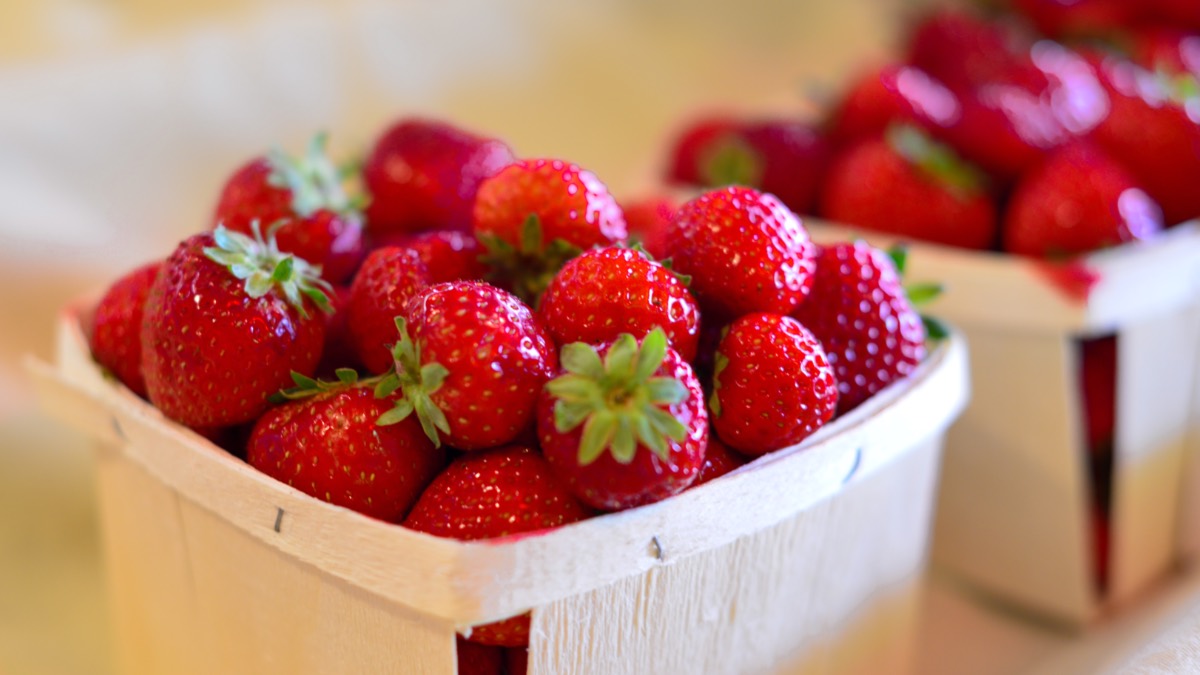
{"x": 718, "y": 461}
{"x": 783, "y": 157}
{"x": 1166, "y": 49}
{"x": 889, "y": 95}
{"x": 687, "y": 158}
{"x": 495, "y": 493}
{"x": 516, "y": 660}
{"x": 1077, "y": 201}
{"x": 339, "y": 349}
{"x": 910, "y": 186}
{"x": 389, "y": 277}
{"x": 327, "y": 443}
{"x": 226, "y": 322}
{"x": 1079, "y": 18}
{"x": 1098, "y": 386}
{"x": 773, "y": 386}
{"x": 1153, "y": 129}
{"x": 860, "y": 313}
{"x": 624, "y": 425}
{"x": 536, "y": 214}
{"x": 648, "y": 221}
{"x": 1177, "y": 12}
{"x": 448, "y": 255}
{"x": 114, "y": 332}
{"x": 302, "y": 201}
{"x": 423, "y": 174}
{"x": 744, "y": 250}
{"x": 964, "y": 50}
{"x": 477, "y": 659}
{"x": 608, "y": 291}
{"x": 470, "y": 361}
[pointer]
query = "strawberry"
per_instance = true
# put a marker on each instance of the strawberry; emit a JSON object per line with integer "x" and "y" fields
{"x": 470, "y": 361}
{"x": 648, "y": 220}
{"x": 859, "y": 311}
{"x": 964, "y": 50}
{"x": 1166, "y": 49}
{"x": 476, "y": 659}
{"x": 516, "y": 660}
{"x": 718, "y": 461}
{"x": 780, "y": 156}
{"x": 909, "y": 185}
{"x": 744, "y": 250}
{"x": 423, "y": 174}
{"x": 687, "y": 156}
{"x": 536, "y": 214}
{"x": 339, "y": 349}
{"x": 1153, "y": 129}
{"x": 226, "y": 322}
{"x": 448, "y": 255}
{"x": 389, "y": 277}
{"x": 1184, "y": 13}
{"x": 114, "y": 330}
{"x": 892, "y": 94}
{"x": 1077, "y": 201}
{"x": 1079, "y": 18}
{"x": 326, "y": 442}
{"x": 303, "y": 202}
{"x": 773, "y": 386}
{"x": 490, "y": 494}
{"x": 608, "y": 291}
{"x": 624, "y": 424}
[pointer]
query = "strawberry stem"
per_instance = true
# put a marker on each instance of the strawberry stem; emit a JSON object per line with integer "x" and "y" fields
{"x": 417, "y": 384}
{"x": 259, "y": 263}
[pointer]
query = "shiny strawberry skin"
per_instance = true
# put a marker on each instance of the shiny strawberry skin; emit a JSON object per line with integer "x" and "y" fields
{"x": 1079, "y": 200}
{"x": 496, "y": 493}
{"x": 498, "y": 355}
{"x": 423, "y": 174}
{"x": 773, "y": 385}
{"x": 894, "y": 93}
{"x": 449, "y": 255}
{"x": 871, "y": 334}
{"x": 874, "y": 186}
{"x": 571, "y": 203}
{"x": 718, "y": 461}
{"x": 608, "y": 485}
{"x": 648, "y": 220}
{"x": 114, "y": 329}
{"x": 608, "y": 291}
{"x": 744, "y": 250}
{"x": 388, "y": 279}
{"x": 333, "y": 241}
{"x": 211, "y": 354}
{"x": 329, "y": 446}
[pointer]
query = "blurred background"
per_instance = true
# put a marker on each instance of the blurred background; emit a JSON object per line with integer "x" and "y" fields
{"x": 120, "y": 119}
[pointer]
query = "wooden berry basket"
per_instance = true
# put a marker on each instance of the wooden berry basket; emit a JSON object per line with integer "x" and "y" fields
{"x": 808, "y": 560}
{"x": 1013, "y": 516}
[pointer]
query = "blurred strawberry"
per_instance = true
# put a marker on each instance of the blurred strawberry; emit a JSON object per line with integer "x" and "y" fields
{"x": 1164, "y": 48}
{"x": 302, "y": 201}
{"x": 1079, "y": 18}
{"x": 423, "y": 174}
{"x": 687, "y": 157}
{"x": 389, "y": 277}
{"x": 913, "y": 187}
{"x": 535, "y": 215}
{"x": 114, "y": 330}
{"x": 648, "y": 220}
{"x": 964, "y": 50}
{"x": 1078, "y": 200}
{"x": 893, "y": 94}
{"x": 1183, "y": 13}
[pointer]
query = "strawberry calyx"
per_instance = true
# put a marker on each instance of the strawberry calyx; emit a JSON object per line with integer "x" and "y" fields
{"x": 316, "y": 184}
{"x": 307, "y": 387}
{"x": 730, "y": 160}
{"x": 668, "y": 263}
{"x": 920, "y": 293}
{"x": 532, "y": 264}
{"x": 263, "y": 267}
{"x": 619, "y": 400}
{"x": 416, "y": 383}
{"x": 936, "y": 160}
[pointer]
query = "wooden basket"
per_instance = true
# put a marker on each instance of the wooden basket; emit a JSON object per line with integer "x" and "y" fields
{"x": 808, "y": 560}
{"x": 1013, "y": 514}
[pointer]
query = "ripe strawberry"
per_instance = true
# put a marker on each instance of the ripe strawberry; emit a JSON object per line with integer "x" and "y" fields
{"x": 890, "y": 95}
{"x": 326, "y": 442}
{"x": 495, "y": 493}
{"x": 476, "y": 659}
{"x": 1077, "y": 201}
{"x": 448, "y": 255}
{"x": 1153, "y": 129}
{"x": 470, "y": 361}
{"x": 860, "y": 313}
{"x": 1079, "y": 18}
{"x": 536, "y": 214}
{"x": 909, "y": 185}
{"x": 744, "y": 250}
{"x": 718, "y": 461}
{"x": 1184, "y": 13}
{"x": 339, "y": 351}
{"x": 687, "y": 164}
{"x": 389, "y": 277}
{"x": 303, "y": 202}
{"x": 783, "y": 157}
{"x": 773, "y": 386}
{"x": 648, "y": 221}
{"x": 608, "y": 291}
{"x": 226, "y": 322}
{"x": 423, "y": 174}
{"x": 624, "y": 425}
{"x": 516, "y": 660}
{"x": 964, "y": 50}
{"x": 114, "y": 331}
{"x": 1164, "y": 48}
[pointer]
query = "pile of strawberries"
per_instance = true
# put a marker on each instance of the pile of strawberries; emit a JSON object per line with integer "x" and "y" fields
{"x": 1043, "y": 129}
{"x": 479, "y": 350}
